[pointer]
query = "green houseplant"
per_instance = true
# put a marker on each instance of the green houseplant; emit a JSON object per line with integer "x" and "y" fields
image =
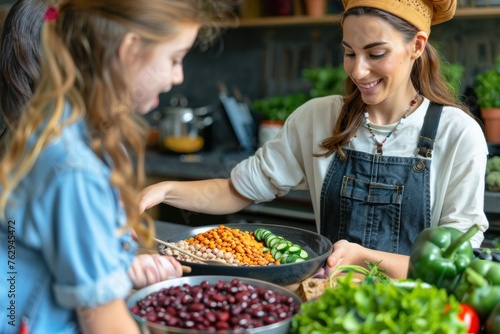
{"x": 453, "y": 73}
{"x": 276, "y": 109}
{"x": 487, "y": 89}
{"x": 324, "y": 81}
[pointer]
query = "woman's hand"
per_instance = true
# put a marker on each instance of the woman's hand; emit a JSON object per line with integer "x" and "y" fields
{"x": 349, "y": 253}
{"x": 343, "y": 253}
{"x": 152, "y": 195}
{"x": 148, "y": 269}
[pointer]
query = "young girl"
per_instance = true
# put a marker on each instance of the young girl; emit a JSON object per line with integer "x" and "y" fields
{"x": 394, "y": 156}
{"x": 68, "y": 185}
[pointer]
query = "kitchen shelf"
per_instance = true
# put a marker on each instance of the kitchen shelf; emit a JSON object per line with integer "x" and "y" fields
{"x": 463, "y": 13}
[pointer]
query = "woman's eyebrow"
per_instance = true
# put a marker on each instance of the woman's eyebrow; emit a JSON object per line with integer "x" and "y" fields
{"x": 367, "y": 46}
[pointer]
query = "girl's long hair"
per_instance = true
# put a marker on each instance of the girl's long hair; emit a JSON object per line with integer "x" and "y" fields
{"x": 425, "y": 76}
{"x": 80, "y": 67}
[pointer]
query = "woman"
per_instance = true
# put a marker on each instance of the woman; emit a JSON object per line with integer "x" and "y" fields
{"x": 68, "y": 198}
{"x": 394, "y": 156}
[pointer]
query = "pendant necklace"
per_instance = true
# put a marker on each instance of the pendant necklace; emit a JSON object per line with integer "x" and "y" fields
{"x": 397, "y": 127}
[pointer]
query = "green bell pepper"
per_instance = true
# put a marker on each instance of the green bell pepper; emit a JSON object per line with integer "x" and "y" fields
{"x": 440, "y": 254}
{"x": 483, "y": 292}
{"x": 493, "y": 322}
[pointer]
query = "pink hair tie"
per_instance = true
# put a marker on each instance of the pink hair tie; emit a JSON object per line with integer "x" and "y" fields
{"x": 51, "y": 14}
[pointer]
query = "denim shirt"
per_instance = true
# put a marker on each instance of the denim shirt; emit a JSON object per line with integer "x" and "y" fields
{"x": 60, "y": 244}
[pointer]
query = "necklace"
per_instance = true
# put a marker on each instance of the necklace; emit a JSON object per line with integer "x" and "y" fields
{"x": 397, "y": 127}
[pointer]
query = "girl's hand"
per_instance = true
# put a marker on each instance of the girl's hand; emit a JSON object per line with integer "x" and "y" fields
{"x": 148, "y": 269}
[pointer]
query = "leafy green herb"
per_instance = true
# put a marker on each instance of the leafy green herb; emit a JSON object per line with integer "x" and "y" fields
{"x": 376, "y": 305}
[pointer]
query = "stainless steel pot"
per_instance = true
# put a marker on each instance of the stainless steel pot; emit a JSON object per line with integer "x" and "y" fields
{"x": 183, "y": 130}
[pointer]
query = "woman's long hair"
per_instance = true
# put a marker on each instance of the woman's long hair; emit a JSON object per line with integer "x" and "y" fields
{"x": 80, "y": 67}
{"x": 20, "y": 57}
{"x": 426, "y": 76}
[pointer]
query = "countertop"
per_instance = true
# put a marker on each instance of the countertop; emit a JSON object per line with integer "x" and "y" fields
{"x": 219, "y": 163}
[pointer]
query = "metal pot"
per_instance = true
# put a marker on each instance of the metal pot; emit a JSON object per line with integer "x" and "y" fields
{"x": 281, "y": 327}
{"x": 184, "y": 130}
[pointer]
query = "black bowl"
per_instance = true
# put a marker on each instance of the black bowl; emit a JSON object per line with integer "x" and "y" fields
{"x": 317, "y": 246}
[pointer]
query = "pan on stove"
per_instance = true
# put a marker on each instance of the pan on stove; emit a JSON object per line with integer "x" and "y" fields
{"x": 317, "y": 246}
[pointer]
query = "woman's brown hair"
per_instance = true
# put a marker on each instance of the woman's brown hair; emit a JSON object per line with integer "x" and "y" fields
{"x": 426, "y": 77}
{"x": 20, "y": 59}
{"x": 80, "y": 67}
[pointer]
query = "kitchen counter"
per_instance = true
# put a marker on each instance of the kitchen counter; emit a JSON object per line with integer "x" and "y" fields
{"x": 219, "y": 163}
{"x": 294, "y": 209}
{"x": 165, "y": 229}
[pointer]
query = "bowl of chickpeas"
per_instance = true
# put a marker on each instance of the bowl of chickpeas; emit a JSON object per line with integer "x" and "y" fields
{"x": 277, "y": 254}
{"x": 213, "y": 304}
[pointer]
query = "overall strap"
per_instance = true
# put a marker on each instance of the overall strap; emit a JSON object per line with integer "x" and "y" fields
{"x": 429, "y": 129}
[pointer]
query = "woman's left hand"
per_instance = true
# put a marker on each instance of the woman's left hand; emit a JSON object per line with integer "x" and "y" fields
{"x": 343, "y": 253}
{"x": 147, "y": 269}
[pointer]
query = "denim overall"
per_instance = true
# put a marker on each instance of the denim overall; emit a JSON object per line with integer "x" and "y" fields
{"x": 380, "y": 202}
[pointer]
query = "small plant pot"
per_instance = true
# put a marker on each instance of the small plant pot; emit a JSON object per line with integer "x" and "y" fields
{"x": 315, "y": 7}
{"x": 268, "y": 130}
{"x": 491, "y": 119}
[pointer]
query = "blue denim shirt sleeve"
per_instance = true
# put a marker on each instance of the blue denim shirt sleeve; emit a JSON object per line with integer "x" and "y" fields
{"x": 88, "y": 257}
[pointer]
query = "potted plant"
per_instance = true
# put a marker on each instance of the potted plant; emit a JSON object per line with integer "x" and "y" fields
{"x": 487, "y": 89}
{"x": 324, "y": 81}
{"x": 274, "y": 111}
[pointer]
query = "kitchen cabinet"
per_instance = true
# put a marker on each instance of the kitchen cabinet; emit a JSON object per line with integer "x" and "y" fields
{"x": 461, "y": 13}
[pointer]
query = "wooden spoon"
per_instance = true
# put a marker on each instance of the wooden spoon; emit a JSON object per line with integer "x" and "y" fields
{"x": 197, "y": 258}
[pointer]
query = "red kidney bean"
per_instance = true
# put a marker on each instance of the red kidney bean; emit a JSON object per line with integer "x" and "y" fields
{"x": 221, "y": 325}
{"x": 196, "y": 307}
{"x": 210, "y": 316}
{"x": 221, "y": 306}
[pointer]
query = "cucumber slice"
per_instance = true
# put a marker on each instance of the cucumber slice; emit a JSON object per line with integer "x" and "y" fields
{"x": 258, "y": 234}
{"x": 299, "y": 259}
{"x": 266, "y": 249}
{"x": 278, "y": 255}
{"x": 303, "y": 254}
{"x": 284, "y": 257}
{"x": 269, "y": 236}
{"x": 282, "y": 246}
{"x": 261, "y": 233}
{"x": 292, "y": 258}
{"x": 294, "y": 249}
{"x": 265, "y": 233}
{"x": 274, "y": 242}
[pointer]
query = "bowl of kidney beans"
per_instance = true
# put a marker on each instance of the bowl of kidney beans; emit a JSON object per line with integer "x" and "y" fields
{"x": 214, "y": 304}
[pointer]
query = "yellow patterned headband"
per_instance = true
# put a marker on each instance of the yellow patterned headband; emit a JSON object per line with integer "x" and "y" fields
{"x": 421, "y": 13}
